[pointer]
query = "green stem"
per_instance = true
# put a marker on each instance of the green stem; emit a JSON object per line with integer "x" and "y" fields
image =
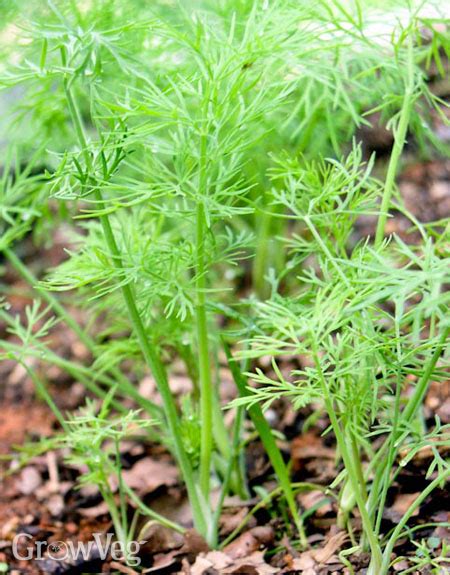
{"x": 153, "y": 514}
{"x": 415, "y": 401}
{"x": 262, "y": 254}
{"x": 369, "y": 532}
{"x": 408, "y": 414}
{"x": 114, "y": 512}
{"x": 296, "y": 488}
{"x": 206, "y": 389}
{"x": 399, "y": 143}
{"x": 270, "y": 445}
{"x": 392, "y": 452}
{"x": 158, "y": 371}
{"x": 237, "y": 427}
{"x": 43, "y": 391}
{"x": 79, "y": 372}
{"x": 220, "y": 433}
{"x": 122, "y": 498}
{"x": 59, "y": 309}
{"x": 148, "y": 351}
{"x": 49, "y": 298}
{"x": 397, "y": 531}
{"x": 421, "y": 388}
{"x": 358, "y": 467}
{"x": 325, "y": 249}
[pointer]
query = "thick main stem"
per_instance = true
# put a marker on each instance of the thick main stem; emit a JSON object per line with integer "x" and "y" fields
{"x": 399, "y": 143}
{"x": 158, "y": 372}
{"x": 206, "y": 389}
{"x": 148, "y": 352}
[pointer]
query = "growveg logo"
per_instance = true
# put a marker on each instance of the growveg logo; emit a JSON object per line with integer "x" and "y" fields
{"x": 100, "y": 547}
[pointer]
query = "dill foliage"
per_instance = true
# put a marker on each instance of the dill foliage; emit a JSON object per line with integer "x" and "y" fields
{"x": 204, "y": 161}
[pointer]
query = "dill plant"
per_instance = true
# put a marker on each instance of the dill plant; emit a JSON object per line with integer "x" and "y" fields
{"x": 182, "y": 142}
{"x": 359, "y": 315}
{"x": 164, "y": 157}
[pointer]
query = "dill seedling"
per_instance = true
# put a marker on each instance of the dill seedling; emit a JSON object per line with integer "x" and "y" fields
{"x": 209, "y": 152}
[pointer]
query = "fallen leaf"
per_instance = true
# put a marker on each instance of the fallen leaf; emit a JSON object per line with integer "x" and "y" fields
{"x": 249, "y": 542}
{"x": 310, "y": 499}
{"x": 221, "y": 563}
{"x": 334, "y": 543}
{"x": 309, "y": 562}
{"x": 304, "y": 562}
{"x": 16, "y": 424}
{"x": 159, "y": 538}
{"x": 148, "y": 474}
{"x": 194, "y": 544}
{"x": 9, "y": 528}
{"x": 444, "y": 411}
{"x": 310, "y": 446}
{"x": 232, "y": 518}
{"x": 202, "y": 565}
{"x": 191, "y": 546}
{"x": 403, "y": 502}
{"x": 161, "y": 562}
{"x": 216, "y": 559}
{"x": 254, "y": 564}
{"x": 312, "y": 458}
